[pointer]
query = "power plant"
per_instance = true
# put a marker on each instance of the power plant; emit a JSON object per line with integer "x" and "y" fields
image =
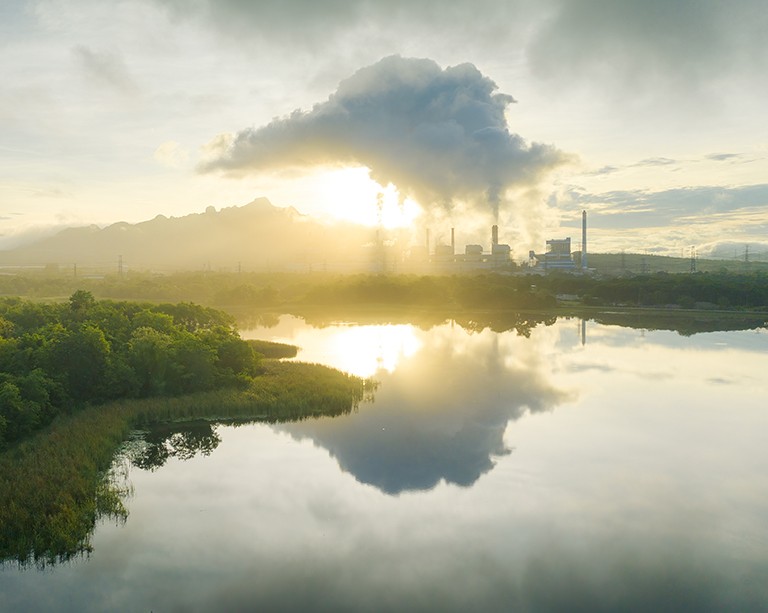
{"x": 558, "y": 255}
{"x": 439, "y": 257}
{"x": 445, "y": 259}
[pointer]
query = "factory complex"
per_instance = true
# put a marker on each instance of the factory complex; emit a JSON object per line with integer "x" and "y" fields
{"x": 443, "y": 258}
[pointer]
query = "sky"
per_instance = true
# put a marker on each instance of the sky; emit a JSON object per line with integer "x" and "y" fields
{"x": 649, "y": 114}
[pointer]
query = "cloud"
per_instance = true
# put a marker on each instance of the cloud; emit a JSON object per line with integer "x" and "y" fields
{"x": 682, "y": 45}
{"x": 171, "y": 154}
{"x": 736, "y": 250}
{"x": 663, "y": 221}
{"x": 105, "y": 68}
{"x": 644, "y": 208}
{"x": 605, "y": 170}
{"x": 723, "y": 157}
{"x": 440, "y": 136}
{"x": 309, "y": 24}
{"x": 636, "y": 48}
{"x": 660, "y": 161}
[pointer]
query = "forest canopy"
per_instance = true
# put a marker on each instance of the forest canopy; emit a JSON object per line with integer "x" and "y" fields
{"x": 55, "y": 358}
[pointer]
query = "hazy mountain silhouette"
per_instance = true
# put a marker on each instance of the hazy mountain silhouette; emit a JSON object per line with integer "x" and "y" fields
{"x": 254, "y": 236}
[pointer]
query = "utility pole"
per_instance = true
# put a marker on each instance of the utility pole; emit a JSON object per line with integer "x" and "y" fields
{"x": 693, "y": 258}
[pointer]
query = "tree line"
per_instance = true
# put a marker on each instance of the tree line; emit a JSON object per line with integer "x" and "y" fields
{"x": 57, "y": 357}
{"x": 286, "y": 291}
{"x": 700, "y": 290}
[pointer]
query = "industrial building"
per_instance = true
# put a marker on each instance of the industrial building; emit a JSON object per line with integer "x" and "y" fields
{"x": 444, "y": 258}
{"x": 558, "y": 255}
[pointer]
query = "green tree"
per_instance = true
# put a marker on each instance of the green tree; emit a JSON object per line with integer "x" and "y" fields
{"x": 149, "y": 353}
{"x": 236, "y": 356}
{"x": 81, "y": 355}
{"x": 20, "y": 417}
{"x": 81, "y": 301}
{"x": 162, "y": 322}
{"x": 192, "y": 365}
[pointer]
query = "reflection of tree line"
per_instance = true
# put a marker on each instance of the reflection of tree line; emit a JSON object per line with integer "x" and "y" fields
{"x": 523, "y": 322}
{"x": 686, "y": 324}
{"x": 472, "y": 320}
{"x": 180, "y": 441}
{"x": 53, "y": 488}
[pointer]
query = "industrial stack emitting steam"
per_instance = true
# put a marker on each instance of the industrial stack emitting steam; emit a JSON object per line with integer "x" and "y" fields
{"x": 439, "y": 135}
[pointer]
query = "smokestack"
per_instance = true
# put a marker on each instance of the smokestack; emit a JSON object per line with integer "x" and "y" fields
{"x": 584, "y": 240}
{"x": 453, "y": 243}
{"x": 427, "y": 241}
{"x": 494, "y": 235}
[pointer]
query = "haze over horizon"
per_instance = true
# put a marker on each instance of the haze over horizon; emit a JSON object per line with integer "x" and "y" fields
{"x": 648, "y": 114}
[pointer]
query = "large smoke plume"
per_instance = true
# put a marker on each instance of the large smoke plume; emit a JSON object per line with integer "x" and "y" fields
{"x": 440, "y": 136}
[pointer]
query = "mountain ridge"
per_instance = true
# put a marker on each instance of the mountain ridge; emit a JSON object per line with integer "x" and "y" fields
{"x": 257, "y": 235}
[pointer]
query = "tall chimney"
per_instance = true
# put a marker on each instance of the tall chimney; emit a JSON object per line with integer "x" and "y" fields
{"x": 584, "y": 240}
{"x": 453, "y": 242}
{"x": 494, "y": 235}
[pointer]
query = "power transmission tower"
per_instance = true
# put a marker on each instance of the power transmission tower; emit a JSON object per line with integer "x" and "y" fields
{"x": 119, "y": 265}
{"x": 693, "y": 258}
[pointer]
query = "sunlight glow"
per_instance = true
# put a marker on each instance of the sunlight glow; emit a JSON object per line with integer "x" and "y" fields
{"x": 358, "y": 198}
{"x": 349, "y": 194}
{"x": 366, "y": 350}
{"x": 358, "y": 350}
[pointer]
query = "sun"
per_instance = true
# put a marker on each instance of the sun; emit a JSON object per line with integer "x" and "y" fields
{"x": 349, "y": 194}
{"x": 354, "y": 196}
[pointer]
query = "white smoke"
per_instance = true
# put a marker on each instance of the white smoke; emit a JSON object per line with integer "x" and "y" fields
{"x": 440, "y": 136}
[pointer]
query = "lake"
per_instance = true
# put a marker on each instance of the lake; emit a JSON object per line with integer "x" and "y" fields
{"x": 583, "y": 467}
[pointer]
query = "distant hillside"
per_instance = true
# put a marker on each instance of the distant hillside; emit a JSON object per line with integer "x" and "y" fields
{"x": 637, "y": 263}
{"x": 257, "y": 236}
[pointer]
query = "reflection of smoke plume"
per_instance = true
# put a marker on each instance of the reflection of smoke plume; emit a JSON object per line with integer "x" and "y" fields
{"x": 439, "y": 135}
{"x": 440, "y": 416}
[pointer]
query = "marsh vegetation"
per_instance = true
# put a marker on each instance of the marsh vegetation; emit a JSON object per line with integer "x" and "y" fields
{"x": 76, "y": 377}
{"x": 54, "y": 486}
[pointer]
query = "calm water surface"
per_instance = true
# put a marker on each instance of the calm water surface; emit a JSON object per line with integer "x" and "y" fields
{"x": 583, "y": 468}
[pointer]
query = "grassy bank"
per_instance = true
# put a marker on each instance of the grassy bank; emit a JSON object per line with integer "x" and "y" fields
{"x": 52, "y": 486}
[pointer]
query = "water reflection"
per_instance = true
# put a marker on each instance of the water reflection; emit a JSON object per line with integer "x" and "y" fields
{"x": 443, "y": 404}
{"x": 636, "y": 483}
{"x": 154, "y": 447}
{"x": 441, "y": 414}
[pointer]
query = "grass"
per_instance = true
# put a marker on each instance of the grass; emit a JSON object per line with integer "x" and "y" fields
{"x": 270, "y": 349}
{"x": 54, "y": 487}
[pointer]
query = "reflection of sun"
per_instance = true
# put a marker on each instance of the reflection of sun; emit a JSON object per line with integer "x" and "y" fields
{"x": 364, "y": 350}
